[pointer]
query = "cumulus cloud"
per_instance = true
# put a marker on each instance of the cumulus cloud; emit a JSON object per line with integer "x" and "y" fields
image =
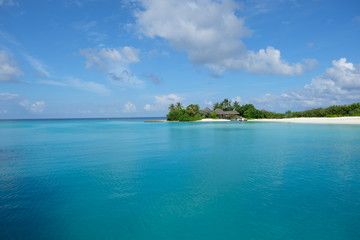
{"x": 162, "y": 102}
{"x": 210, "y": 32}
{"x": 269, "y": 61}
{"x": 115, "y": 63}
{"x": 88, "y": 86}
{"x": 149, "y": 107}
{"x": 9, "y": 70}
{"x": 129, "y": 107}
{"x": 108, "y": 57}
{"x": 37, "y": 107}
{"x": 167, "y": 99}
{"x": 11, "y": 103}
{"x": 340, "y": 84}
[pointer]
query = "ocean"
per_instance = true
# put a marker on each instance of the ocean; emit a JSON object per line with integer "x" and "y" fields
{"x": 128, "y": 179}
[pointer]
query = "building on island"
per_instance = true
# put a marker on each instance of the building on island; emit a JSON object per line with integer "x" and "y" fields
{"x": 207, "y": 110}
{"x": 223, "y": 114}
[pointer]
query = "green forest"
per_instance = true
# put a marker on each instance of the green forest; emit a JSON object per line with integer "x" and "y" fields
{"x": 193, "y": 112}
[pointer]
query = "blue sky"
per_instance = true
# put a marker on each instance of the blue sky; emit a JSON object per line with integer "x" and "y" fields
{"x": 132, "y": 58}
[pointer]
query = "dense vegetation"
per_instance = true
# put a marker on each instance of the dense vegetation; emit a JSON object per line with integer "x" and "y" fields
{"x": 192, "y": 112}
{"x": 333, "y": 111}
{"x": 246, "y": 110}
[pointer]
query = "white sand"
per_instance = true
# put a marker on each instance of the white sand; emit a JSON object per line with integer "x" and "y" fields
{"x": 212, "y": 120}
{"x": 337, "y": 120}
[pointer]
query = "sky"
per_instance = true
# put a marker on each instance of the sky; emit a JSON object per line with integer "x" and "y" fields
{"x": 132, "y": 58}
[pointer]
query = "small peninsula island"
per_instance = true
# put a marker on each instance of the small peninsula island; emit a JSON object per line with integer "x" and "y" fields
{"x": 228, "y": 110}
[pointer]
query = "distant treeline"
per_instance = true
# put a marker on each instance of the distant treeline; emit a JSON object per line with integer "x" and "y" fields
{"x": 333, "y": 111}
{"x": 193, "y": 111}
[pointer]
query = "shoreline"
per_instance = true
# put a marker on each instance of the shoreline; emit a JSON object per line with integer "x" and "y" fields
{"x": 213, "y": 120}
{"x": 202, "y": 120}
{"x": 324, "y": 120}
{"x": 315, "y": 120}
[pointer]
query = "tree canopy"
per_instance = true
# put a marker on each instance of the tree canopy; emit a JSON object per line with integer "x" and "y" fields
{"x": 332, "y": 111}
{"x": 192, "y": 112}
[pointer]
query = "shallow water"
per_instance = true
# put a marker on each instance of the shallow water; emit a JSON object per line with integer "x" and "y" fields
{"x": 126, "y": 179}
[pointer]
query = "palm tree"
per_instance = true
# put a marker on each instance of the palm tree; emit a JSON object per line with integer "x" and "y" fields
{"x": 226, "y": 104}
{"x": 217, "y": 105}
{"x": 179, "y": 105}
{"x": 193, "y": 109}
{"x": 171, "y": 107}
{"x": 236, "y": 105}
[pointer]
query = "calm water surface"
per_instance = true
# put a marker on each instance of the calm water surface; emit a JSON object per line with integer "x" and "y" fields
{"x": 126, "y": 179}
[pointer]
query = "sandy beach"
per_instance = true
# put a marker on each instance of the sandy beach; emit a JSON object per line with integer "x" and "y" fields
{"x": 213, "y": 120}
{"x": 336, "y": 120}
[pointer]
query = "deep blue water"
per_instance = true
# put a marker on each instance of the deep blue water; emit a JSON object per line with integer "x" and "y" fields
{"x": 126, "y": 179}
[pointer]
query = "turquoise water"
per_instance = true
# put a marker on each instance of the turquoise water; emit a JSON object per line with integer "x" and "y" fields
{"x": 126, "y": 179}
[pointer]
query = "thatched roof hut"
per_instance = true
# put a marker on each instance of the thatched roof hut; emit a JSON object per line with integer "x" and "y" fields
{"x": 207, "y": 110}
{"x": 225, "y": 114}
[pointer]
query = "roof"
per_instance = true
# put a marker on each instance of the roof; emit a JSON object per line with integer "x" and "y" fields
{"x": 233, "y": 112}
{"x": 220, "y": 111}
{"x": 207, "y": 110}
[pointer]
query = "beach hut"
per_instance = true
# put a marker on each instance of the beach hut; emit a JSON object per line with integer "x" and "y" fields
{"x": 225, "y": 114}
{"x": 207, "y": 110}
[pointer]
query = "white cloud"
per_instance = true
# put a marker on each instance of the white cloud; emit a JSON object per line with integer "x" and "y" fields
{"x": 115, "y": 63}
{"x": 129, "y": 107}
{"x": 37, "y": 107}
{"x": 8, "y": 96}
{"x": 168, "y": 99}
{"x": 340, "y": 84}
{"x": 14, "y": 103}
{"x": 38, "y": 66}
{"x": 269, "y": 61}
{"x": 108, "y": 57}
{"x": 9, "y": 71}
{"x": 88, "y": 86}
{"x": 209, "y": 103}
{"x": 162, "y": 102}
{"x": 149, "y": 107}
{"x": 210, "y": 32}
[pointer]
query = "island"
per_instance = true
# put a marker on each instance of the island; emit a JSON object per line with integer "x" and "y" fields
{"x": 233, "y": 111}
